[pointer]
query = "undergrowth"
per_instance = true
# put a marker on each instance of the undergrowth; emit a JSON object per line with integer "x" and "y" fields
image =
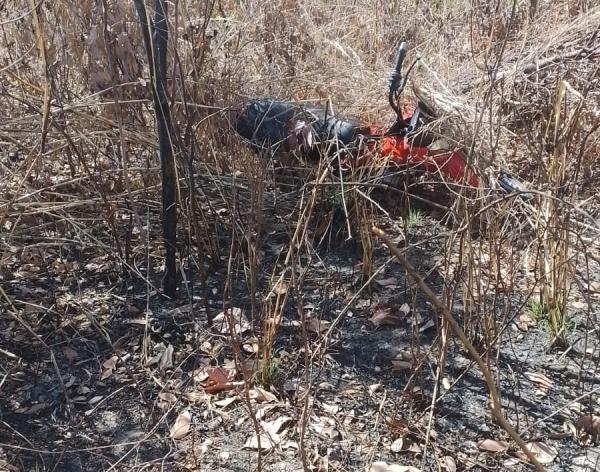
{"x": 515, "y": 84}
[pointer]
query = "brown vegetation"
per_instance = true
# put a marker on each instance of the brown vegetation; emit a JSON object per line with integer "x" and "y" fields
{"x": 268, "y": 359}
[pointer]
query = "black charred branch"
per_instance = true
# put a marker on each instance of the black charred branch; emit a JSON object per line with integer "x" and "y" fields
{"x": 156, "y": 38}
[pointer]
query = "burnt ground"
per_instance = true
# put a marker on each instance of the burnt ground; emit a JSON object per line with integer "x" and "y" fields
{"x": 82, "y": 395}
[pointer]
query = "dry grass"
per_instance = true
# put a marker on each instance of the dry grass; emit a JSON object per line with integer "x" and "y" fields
{"x": 517, "y": 84}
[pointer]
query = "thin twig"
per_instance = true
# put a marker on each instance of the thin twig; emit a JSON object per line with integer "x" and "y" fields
{"x": 495, "y": 406}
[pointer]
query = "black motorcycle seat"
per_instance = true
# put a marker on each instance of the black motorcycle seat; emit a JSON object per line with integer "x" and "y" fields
{"x": 270, "y": 124}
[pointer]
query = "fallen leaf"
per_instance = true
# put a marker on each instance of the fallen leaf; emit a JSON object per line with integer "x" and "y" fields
{"x": 594, "y": 287}
{"x": 362, "y": 303}
{"x": 280, "y": 287}
{"x": 274, "y": 427}
{"x": 166, "y": 358}
{"x": 225, "y": 402}
{"x": 262, "y": 396}
{"x": 397, "y": 445}
{"x": 196, "y": 396}
{"x": 243, "y": 369}
{"x": 167, "y": 397}
{"x": 401, "y": 366}
{"x": 569, "y": 427}
{"x": 264, "y": 411}
{"x": 110, "y": 363}
{"x": 543, "y": 453}
{"x": 206, "y": 445}
{"x": 289, "y": 445}
{"x": 38, "y": 407}
{"x": 266, "y": 444}
{"x": 381, "y": 466}
{"x": 108, "y": 367}
{"x": 448, "y": 463}
{"x": 492, "y": 445}
{"x": 405, "y": 445}
{"x": 414, "y": 447}
{"x": 427, "y": 325}
{"x": 325, "y": 429}
{"x": 579, "y": 306}
{"x": 133, "y": 310}
{"x": 540, "y": 379}
{"x": 378, "y": 466}
{"x": 588, "y": 428}
{"x": 235, "y": 316}
{"x": 217, "y": 381}
{"x": 137, "y": 321}
{"x": 525, "y": 321}
{"x": 70, "y": 354}
{"x": 182, "y": 425}
{"x": 95, "y": 399}
{"x": 317, "y": 326}
{"x": 206, "y": 347}
{"x": 391, "y": 282}
{"x": 291, "y": 385}
{"x": 387, "y": 317}
{"x": 199, "y": 374}
{"x": 251, "y": 348}
{"x": 331, "y": 409}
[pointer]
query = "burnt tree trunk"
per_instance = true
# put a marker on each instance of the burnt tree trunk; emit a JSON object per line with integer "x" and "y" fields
{"x": 156, "y": 38}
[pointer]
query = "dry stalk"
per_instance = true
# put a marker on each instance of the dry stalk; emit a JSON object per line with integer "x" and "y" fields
{"x": 553, "y": 227}
{"x": 297, "y": 283}
{"x": 275, "y": 300}
{"x": 116, "y": 92}
{"x": 41, "y": 40}
{"x": 495, "y": 406}
{"x": 235, "y": 343}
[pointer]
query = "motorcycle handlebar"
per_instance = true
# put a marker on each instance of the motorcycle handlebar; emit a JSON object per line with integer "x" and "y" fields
{"x": 401, "y": 54}
{"x": 396, "y": 77}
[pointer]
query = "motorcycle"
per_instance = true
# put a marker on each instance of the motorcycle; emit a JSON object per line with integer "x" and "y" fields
{"x": 275, "y": 127}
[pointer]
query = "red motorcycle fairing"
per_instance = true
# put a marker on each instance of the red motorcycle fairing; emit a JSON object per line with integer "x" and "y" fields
{"x": 450, "y": 164}
{"x": 276, "y": 125}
